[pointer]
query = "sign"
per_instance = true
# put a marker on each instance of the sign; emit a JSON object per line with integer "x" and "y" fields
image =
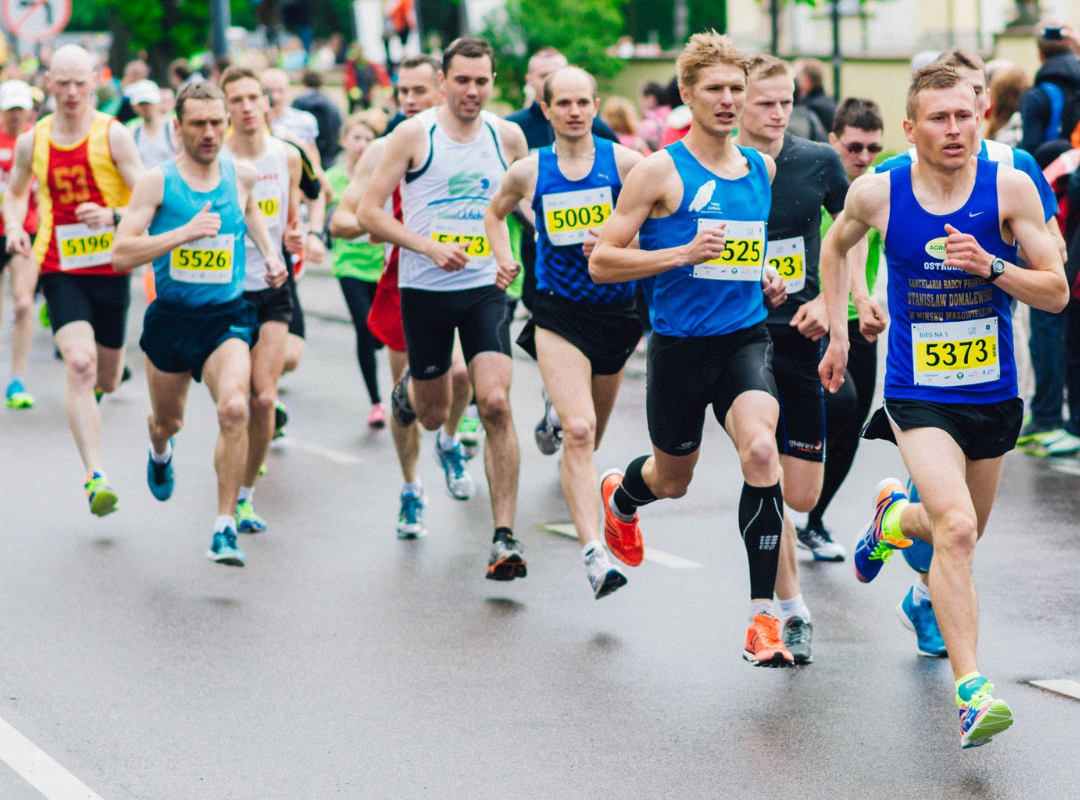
{"x": 36, "y": 20}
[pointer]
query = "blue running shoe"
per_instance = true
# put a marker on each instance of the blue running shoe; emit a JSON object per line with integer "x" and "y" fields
{"x": 920, "y": 618}
{"x": 982, "y": 717}
{"x": 223, "y": 549}
{"x": 160, "y": 477}
{"x": 17, "y": 396}
{"x": 410, "y": 523}
{"x": 919, "y": 555}
{"x": 459, "y": 483}
{"x": 874, "y": 549}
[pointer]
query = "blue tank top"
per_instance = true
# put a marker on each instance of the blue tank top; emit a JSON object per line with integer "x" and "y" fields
{"x": 950, "y": 340}
{"x": 711, "y": 299}
{"x": 208, "y": 271}
{"x": 565, "y": 210}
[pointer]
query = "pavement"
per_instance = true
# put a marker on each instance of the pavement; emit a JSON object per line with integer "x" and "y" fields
{"x": 342, "y": 662}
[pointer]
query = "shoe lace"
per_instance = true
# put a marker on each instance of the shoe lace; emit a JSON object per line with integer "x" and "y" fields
{"x": 980, "y": 696}
{"x": 798, "y": 631}
{"x": 769, "y": 632}
{"x": 456, "y": 459}
{"x": 410, "y": 507}
{"x": 882, "y": 552}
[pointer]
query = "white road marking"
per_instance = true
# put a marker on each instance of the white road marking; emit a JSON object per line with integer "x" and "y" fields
{"x": 323, "y": 452}
{"x": 1067, "y": 466}
{"x": 40, "y": 771}
{"x": 568, "y": 530}
{"x": 1067, "y": 688}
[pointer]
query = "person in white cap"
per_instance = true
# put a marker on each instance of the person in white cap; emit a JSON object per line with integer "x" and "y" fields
{"x": 16, "y": 105}
{"x": 152, "y": 128}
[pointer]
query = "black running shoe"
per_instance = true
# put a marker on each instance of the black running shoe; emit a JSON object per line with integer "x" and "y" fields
{"x": 399, "y": 401}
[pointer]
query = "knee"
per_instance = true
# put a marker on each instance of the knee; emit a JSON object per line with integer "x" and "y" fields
{"x": 672, "y": 486}
{"x": 262, "y": 403}
{"x": 109, "y": 383}
{"x": 459, "y": 379}
{"x": 759, "y": 457}
{"x": 233, "y": 412}
{"x": 433, "y": 417}
{"x": 802, "y": 498}
{"x": 168, "y": 427}
{"x": 494, "y": 408}
{"x": 23, "y": 306}
{"x": 82, "y": 367}
{"x": 955, "y": 534}
{"x": 579, "y": 433}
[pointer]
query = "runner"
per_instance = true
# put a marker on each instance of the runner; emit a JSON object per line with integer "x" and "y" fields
{"x": 581, "y": 333}
{"x": 809, "y": 177}
{"x": 189, "y": 217}
{"x": 452, "y": 159}
{"x": 277, "y": 192}
{"x": 85, "y": 163}
{"x": 16, "y": 103}
{"x": 418, "y": 88}
{"x": 951, "y": 224}
{"x": 702, "y": 269}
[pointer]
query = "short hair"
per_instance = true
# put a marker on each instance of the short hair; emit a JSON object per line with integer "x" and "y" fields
{"x": 811, "y": 69}
{"x": 237, "y": 73}
{"x": 222, "y": 63}
{"x": 764, "y": 67}
{"x": 857, "y": 112}
{"x": 1048, "y": 48}
{"x": 652, "y": 89}
{"x": 180, "y": 68}
{"x": 467, "y": 47}
{"x": 412, "y": 62}
{"x": 549, "y": 80}
{"x": 197, "y": 90}
{"x": 932, "y": 76}
{"x": 311, "y": 79}
{"x": 707, "y": 49}
{"x": 545, "y": 52}
{"x": 373, "y": 119}
{"x": 960, "y": 58}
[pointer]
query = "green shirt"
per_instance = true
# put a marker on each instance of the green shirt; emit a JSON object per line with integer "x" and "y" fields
{"x": 358, "y": 258}
{"x": 875, "y": 253}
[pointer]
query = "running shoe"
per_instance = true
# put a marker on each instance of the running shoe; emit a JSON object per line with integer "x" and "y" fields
{"x": 507, "y": 559}
{"x": 604, "y": 577}
{"x": 470, "y": 431}
{"x": 982, "y": 717}
{"x": 549, "y": 431}
{"x": 281, "y": 419}
{"x": 101, "y": 496}
{"x": 223, "y": 549}
{"x": 623, "y": 538}
{"x": 763, "y": 645}
{"x": 798, "y": 635}
{"x": 247, "y": 521}
{"x": 98, "y": 394}
{"x": 377, "y": 418}
{"x": 125, "y": 374}
{"x": 920, "y": 618}
{"x": 818, "y": 540}
{"x": 43, "y": 316}
{"x": 920, "y": 554}
{"x": 410, "y": 521}
{"x": 1034, "y": 432}
{"x": 17, "y": 396}
{"x": 1067, "y": 445}
{"x": 400, "y": 406}
{"x": 459, "y": 483}
{"x": 874, "y": 549}
{"x": 159, "y": 477}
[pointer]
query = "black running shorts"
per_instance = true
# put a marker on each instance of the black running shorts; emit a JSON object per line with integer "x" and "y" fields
{"x": 296, "y": 323}
{"x": 480, "y": 316}
{"x": 685, "y": 375}
{"x": 272, "y": 305}
{"x": 101, "y": 300}
{"x": 982, "y": 430}
{"x": 800, "y": 431}
{"x": 605, "y": 334}
{"x": 179, "y": 339}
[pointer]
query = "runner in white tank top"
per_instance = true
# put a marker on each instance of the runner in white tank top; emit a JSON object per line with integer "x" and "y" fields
{"x": 272, "y": 193}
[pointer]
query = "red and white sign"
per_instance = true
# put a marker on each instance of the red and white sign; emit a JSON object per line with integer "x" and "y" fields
{"x": 36, "y": 20}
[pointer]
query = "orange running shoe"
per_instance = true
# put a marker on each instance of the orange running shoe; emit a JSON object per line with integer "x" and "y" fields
{"x": 623, "y": 538}
{"x": 764, "y": 647}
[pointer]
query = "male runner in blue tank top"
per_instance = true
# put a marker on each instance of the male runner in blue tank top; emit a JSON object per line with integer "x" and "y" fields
{"x": 581, "y": 333}
{"x": 189, "y": 217}
{"x": 951, "y": 224}
{"x": 701, "y": 207}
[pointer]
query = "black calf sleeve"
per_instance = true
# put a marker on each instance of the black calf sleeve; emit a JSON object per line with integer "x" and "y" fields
{"x": 761, "y": 522}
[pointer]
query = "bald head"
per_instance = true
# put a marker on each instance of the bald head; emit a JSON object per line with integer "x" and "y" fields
{"x": 71, "y": 79}
{"x": 72, "y": 57}
{"x": 542, "y": 63}
{"x": 276, "y": 84}
{"x": 569, "y": 79}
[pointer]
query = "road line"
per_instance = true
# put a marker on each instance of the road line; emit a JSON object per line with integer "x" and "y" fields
{"x": 37, "y": 769}
{"x": 323, "y": 452}
{"x": 1065, "y": 466}
{"x": 1067, "y": 688}
{"x": 568, "y": 530}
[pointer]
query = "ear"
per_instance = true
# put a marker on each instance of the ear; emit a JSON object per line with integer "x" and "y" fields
{"x": 909, "y": 128}
{"x": 544, "y": 107}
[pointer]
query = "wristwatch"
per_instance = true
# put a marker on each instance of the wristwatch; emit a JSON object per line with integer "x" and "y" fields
{"x": 115, "y": 217}
{"x": 997, "y": 267}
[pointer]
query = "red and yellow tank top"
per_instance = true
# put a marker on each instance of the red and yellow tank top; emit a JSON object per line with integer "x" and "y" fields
{"x": 7, "y": 161}
{"x": 68, "y": 177}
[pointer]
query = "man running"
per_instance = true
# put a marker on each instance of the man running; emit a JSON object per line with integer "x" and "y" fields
{"x": 809, "y": 177}
{"x": 581, "y": 333}
{"x": 277, "y": 192}
{"x": 452, "y": 159}
{"x": 85, "y": 163}
{"x": 189, "y": 217}
{"x": 418, "y": 89}
{"x": 701, "y": 206}
{"x": 951, "y": 224}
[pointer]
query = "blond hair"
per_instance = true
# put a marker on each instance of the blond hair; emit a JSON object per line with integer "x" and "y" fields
{"x": 704, "y": 50}
{"x": 620, "y": 116}
{"x": 373, "y": 119}
{"x": 932, "y": 76}
{"x": 764, "y": 67}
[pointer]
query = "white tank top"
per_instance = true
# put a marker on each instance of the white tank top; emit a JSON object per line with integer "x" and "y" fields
{"x": 445, "y": 199}
{"x": 272, "y": 193}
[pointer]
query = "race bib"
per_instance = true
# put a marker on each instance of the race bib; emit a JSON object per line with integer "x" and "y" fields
{"x": 950, "y": 354}
{"x": 569, "y": 215}
{"x": 82, "y": 247}
{"x": 268, "y": 197}
{"x": 788, "y": 257}
{"x": 743, "y": 256}
{"x": 469, "y": 232}
{"x": 206, "y": 260}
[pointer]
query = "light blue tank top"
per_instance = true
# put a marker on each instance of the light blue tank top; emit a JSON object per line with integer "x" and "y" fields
{"x": 208, "y": 271}
{"x": 681, "y": 304}
{"x": 951, "y": 339}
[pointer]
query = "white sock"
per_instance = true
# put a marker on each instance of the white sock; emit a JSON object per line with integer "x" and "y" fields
{"x": 920, "y": 592}
{"x": 590, "y": 548}
{"x": 472, "y": 412}
{"x": 795, "y": 607}
{"x": 447, "y": 442}
{"x": 246, "y": 493}
{"x": 415, "y": 489}
{"x": 222, "y": 522}
{"x": 161, "y": 458}
{"x": 761, "y": 608}
{"x": 553, "y": 416}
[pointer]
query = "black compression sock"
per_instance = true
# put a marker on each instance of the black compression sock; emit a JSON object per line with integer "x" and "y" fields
{"x": 505, "y": 533}
{"x": 761, "y": 522}
{"x": 633, "y": 491}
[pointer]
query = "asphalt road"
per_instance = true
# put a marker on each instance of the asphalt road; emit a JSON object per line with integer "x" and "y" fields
{"x": 342, "y": 662}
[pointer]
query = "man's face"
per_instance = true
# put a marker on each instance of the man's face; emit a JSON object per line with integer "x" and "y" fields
{"x": 539, "y": 69}
{"x": 246, "y": 105}
{"x": 468, "y": 86}
{"x": 768, "y": 107}
{"x": 854, "y": 148}
{"x": 977, "y": 79}
{"x": 146, "y": 110}
{"x": 276, "y": 86}
{"x": 202, "y": 129}
{"x": 14, "y": 120}
{"x": 573, "y": 106}
{"x": 418, "y": 90}
{"x": 947, "y": 126}
{"x": 716, "y": 100}
{"x": 72, "y": 86}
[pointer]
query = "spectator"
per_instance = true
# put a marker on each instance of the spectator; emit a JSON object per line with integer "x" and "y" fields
{"x": 619, "y": 114}
{"x": 361, "y": 77}
{"x": 1051, "y": 108}
{"x": 134, "y": 71}
{"x": 810, "y": 75}
{"x": 326, "y": 115}
{"x": 330, "y": 55}
{"x": 653, "y": 113}
{"x": 152, "y": 128}
{"x": 301, "y": 125}
{"x": 804, "y": 122}
{"x": 179, "y": 73}
{"x": 1006, "y": 89}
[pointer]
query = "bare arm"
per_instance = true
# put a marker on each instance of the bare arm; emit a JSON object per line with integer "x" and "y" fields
{"x": 125, "y": 155}
{"x": 514, "y": 141}
{"x": 17, "y": 196}
{"x": 517, "y": 185}
{"x": 257, "y": 230}
{"x": 134, "y": 246}
{"x": 343, "y": 223}
{"x": 873, "y": 319}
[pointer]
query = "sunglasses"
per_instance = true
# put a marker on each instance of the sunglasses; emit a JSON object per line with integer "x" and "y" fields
{"x": 857, "y": 147}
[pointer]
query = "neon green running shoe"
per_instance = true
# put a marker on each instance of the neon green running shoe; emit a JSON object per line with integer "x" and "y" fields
{"x": 101, "y": 496}
{"x": 247, "y": 521}
{"x": 43, "y": 315}
{"x": 469, "y": 431}
{"x": 17, "y": 396}
{"x": 982, "y": 717}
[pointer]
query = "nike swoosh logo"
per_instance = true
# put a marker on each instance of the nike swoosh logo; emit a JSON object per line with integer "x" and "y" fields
{"x": 977, "y": 213}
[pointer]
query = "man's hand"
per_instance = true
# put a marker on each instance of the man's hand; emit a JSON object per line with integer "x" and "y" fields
{"x": 811, "y": 319}
{"x": 294, "y": 237}
{"x": 203, "y": 224}
{"x": 873, "y": 319}
{"x": 588, "y": 245}
{"x": 963, "y": 251}
{"x": 314, "y": 249}
{"x": 706, "y": 246}
{"x": 19, "y": 243}
{"x": 774, "y": 288}
{"x": 94, "y": 216}
{"x": 449, "y": 256}
{"x": 275, "y": 272}
{"x": 834, "y": 364}
{"x": 506, "y": 274}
